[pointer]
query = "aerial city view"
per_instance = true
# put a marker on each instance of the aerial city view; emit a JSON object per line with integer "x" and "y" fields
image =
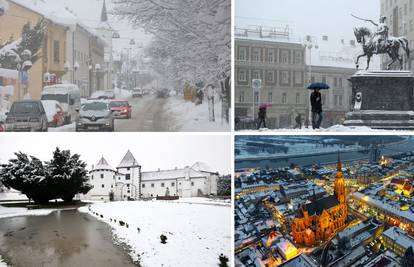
{"x": 324, "y": 201}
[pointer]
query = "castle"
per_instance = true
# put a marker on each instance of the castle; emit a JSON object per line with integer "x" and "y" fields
{"x": 128, "y": 182}
{"x": 322, "y": 217}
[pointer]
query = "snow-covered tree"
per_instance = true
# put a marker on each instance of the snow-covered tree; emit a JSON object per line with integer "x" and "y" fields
{"x": 224, "y": 186}
{"x": 26, "y": 174}
{"x": 68, "y": 174}
{"x": 192, "y": 38}
{"x": 62, "y": 177}
{"x": 23, "y": 52}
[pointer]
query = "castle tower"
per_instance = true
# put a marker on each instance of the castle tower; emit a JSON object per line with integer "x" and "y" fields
{"x": 129, "y": 177}
{"x": 101, "y": 177}
{"x": 339, "y": 186}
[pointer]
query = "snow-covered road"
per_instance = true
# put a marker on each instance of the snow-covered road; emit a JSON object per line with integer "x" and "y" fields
{"x": 173, "y": 114}
{"x": 198, "y": 230}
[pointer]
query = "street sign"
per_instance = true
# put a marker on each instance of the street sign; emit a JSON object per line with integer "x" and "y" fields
{"x": 257, "y": 84}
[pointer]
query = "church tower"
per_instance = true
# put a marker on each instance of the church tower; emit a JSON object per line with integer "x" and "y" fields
{"x": 339, "y": 187}
{"x": 105, "y": 32}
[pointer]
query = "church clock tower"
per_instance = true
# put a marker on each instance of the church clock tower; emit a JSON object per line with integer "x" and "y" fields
{"x": 339, "y": 186}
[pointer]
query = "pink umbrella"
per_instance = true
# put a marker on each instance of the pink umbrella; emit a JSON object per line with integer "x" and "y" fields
{"x": 265, "y": 105}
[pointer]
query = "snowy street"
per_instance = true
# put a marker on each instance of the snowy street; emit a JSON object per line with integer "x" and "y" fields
{"x": 153, "y": 114}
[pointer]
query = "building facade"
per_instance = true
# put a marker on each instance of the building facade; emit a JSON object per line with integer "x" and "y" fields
{"x": 127, "y": 181}
{"x": 282, "y": 66}
{"x": 321, "y": 218}
{"x": 400, "y": 20}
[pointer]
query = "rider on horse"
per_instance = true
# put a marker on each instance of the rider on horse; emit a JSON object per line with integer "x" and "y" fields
{"x": 381, "y": 34}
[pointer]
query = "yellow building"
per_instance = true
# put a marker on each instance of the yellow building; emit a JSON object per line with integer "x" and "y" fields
{"x": 51, "y": 54}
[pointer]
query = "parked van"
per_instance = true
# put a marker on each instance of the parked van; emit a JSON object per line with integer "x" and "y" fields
{"x": 68, "y": 95}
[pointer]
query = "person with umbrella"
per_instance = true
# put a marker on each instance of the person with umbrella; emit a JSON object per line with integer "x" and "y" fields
{"x": 316, "y": 103}
{"x": 262, "y": 115}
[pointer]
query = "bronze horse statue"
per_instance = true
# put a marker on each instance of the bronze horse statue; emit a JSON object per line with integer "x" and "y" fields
{"x": 391, "y": 47}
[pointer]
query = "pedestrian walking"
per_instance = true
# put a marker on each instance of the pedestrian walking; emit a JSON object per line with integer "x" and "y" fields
{"x": 316, "y": 103}
{"x": 298, "y": 120}
{"x": 262, "y": 117}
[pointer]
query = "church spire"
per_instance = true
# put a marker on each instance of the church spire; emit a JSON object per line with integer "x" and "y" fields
{"x": 339, "y": 186}
{"x": 339, "y": 165}
{"x": 104, "y": 14}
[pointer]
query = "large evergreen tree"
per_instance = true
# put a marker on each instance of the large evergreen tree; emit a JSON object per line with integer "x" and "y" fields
{"x": 68, "y": 174}
{"x": 62, "y": 177}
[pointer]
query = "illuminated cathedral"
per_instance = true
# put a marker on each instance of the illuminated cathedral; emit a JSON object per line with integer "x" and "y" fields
{"x": 321, "y": 218}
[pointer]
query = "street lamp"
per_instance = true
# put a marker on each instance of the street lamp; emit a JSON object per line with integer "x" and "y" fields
{"x": 310, "y": 43}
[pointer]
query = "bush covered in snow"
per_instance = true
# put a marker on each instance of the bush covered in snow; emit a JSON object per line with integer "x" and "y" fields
{"x": 62, "y": 177}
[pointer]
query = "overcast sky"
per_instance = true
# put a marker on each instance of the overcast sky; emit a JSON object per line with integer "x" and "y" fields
{"x": 152, "y": 151}
{"x": 308, "y": 17}
{"x": 89, "y": 11}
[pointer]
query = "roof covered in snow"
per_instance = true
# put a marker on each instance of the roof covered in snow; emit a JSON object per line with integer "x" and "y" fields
{"x": 172, "y": 174}
{"x": 128, "y": 161}
{"x": 202, "y": 167}
{"x": 103, "y": 165}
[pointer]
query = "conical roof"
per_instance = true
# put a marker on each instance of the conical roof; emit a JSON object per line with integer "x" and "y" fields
{"x": 104, "y": 14}
{"x": 103, "y": 165}
{"x": 202, "y": 167}
{"x": 128, "y": 161}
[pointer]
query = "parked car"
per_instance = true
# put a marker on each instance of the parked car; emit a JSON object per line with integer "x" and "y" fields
{"x": 95, "y": 115}
{"x": 120, "y": 109}
{"x": 137, "y": 93}
{"x": 68, "y": 95}
{"x": 103, "y": 95}
{"x": 54, "y": 112}
{"x": 2, "y": 127}
{"x": 26, "y": 116}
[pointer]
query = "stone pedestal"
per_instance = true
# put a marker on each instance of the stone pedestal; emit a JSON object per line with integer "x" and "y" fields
{"x": 382, "y": 100}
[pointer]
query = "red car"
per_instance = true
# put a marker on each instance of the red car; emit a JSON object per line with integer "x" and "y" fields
{"x": 120, "y": 109}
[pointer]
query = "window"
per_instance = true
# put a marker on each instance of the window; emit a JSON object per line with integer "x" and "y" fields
{"x": 335, "y": 82}
{"x": 128, "y": 191}
{"x": 270, "y": 56}
{"x": 242, "y": 76}
{"x": 128, "y": 169}
{"x": 162, "y": 184}
{"x": 127, "y": 185}
{"x": 56, "y": 52}
{"x": 92, "y": 177}
{"x": 143, "y": 185}
{"x": 285, "y": 56}
{"x": 103, "y": 185}
{"x": 298, "y": 77}
{"x": 241, "y": 97}
{"x": 152, "y": 185}
{"x": 298, "y": 57}
{"x": 324, "y": 100}
{"x": 411, "y": 25}
{"x": 340, "y": 101}
{"x": 192, "y": 183}
{"x": 284, "y": 77}
{"x": 172, "y": 184}
{"x": 255, "y": 75}
{"x": 270, "y": 76}
{"x": 324, "y": 79}
{"x": 256, "y": 54}
{"x": 270, "y": 97}
{"x": 242, "y": 53}
{"x": 297, "y": 98}
{"x": 336, "y": 100}
{"x": 114, "y": 177}
{"x": 340, "y": 82}
{"x": 127, "y": 176}
{"x": 102, "y": 176}
{"x": 284, "y": 98}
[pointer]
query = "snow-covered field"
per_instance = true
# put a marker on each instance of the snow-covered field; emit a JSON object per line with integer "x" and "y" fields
{"x": 191, "y": 117}
{"x": 12, "y": 195}
{"x": 198, "y": 230}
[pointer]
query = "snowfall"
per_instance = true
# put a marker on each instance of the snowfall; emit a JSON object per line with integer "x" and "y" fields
{"x": 197, "y": 230}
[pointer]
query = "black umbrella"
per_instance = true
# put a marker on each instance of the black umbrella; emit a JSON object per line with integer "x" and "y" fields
{"x": 320, "y": 86}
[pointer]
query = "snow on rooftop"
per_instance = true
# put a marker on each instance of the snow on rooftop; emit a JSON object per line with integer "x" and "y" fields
{"x": 202, "y": 167}
{"x": 400, "y": 237}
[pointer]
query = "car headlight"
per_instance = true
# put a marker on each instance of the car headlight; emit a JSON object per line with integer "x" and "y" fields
{"x": 34, "y": 120}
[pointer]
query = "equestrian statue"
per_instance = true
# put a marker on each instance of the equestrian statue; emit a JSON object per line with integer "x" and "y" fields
{"x": 380, "y": 42}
